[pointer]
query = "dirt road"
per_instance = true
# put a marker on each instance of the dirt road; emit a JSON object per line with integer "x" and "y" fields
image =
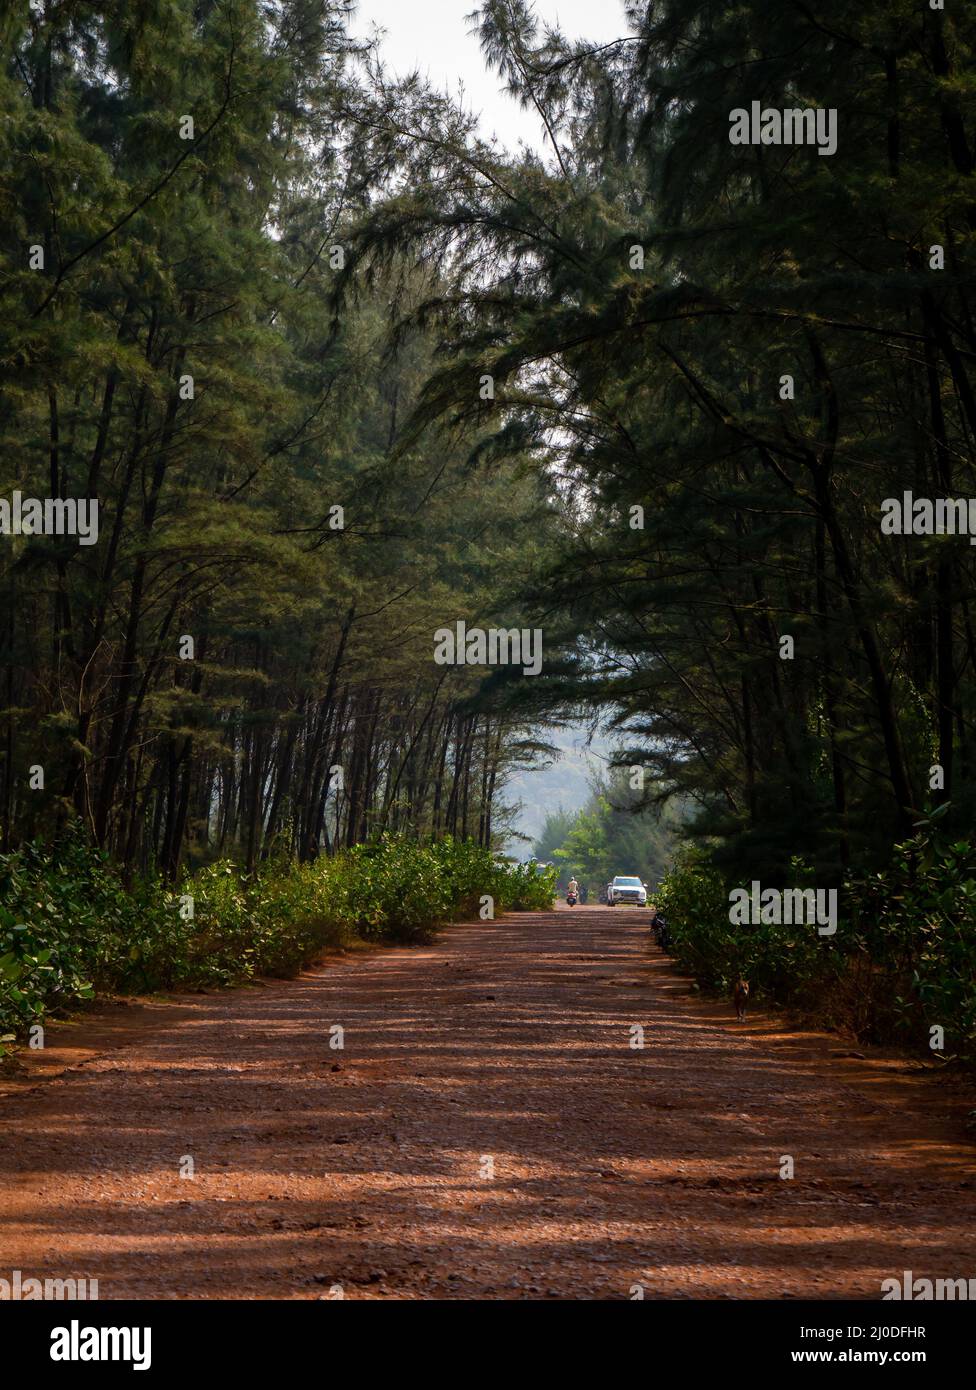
{"x": 487, "y": 1131}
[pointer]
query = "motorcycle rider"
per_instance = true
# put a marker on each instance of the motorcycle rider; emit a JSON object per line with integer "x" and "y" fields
{"x": 572, "y": 890}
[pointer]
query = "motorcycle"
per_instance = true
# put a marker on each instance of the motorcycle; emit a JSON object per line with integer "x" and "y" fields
{"x": 659, "y": 926}
{"x": 570, "y": 899}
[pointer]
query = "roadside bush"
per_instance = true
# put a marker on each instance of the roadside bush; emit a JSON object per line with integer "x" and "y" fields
{"x": 64, "y": 920}
{"x": 903, "y": 959}
{"x": 473, "y": 871}
{"x": 397, "y": 890}
{"x": 916, "y": 924}
{"x": 526, "y": 888}
{"x": 69, "y": 928}
{"x": 693, "y": 897}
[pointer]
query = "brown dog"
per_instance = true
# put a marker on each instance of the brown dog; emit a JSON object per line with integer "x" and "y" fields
{"x": 741, "y": 998}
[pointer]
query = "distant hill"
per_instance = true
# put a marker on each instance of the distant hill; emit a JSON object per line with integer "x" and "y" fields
{"x": 566, "y": 784}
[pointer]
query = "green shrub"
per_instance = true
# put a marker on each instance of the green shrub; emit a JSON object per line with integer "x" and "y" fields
{"x": 69, "y": 928}
{"x": 397, "y": 890}
{"x": 916, "y": 924}
{"x": 902, "y": 961}
{"x": 526, "y": 888}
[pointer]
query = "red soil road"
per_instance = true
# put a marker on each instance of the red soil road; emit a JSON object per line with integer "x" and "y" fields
{"x": 366, "y": 1168}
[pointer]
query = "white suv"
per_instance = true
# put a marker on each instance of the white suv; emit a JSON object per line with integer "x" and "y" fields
{"x": 626, "y": 890}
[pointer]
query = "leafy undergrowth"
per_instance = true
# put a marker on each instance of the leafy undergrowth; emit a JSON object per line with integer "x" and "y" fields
{"x": 901, "y": 967}
{"x": 70, "y": 930}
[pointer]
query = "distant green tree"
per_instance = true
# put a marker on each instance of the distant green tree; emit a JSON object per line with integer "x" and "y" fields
{"x": 557, "y": 826}
{"x": 615, "y": 833}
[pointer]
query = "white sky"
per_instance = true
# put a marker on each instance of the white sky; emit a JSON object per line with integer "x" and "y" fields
{"x": 432, "y": 35}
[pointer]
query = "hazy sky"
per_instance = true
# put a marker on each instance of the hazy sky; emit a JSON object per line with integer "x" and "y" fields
{"x": 432, "y": 35}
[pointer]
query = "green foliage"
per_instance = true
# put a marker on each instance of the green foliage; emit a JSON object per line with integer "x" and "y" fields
{"x": 396, "y": 888}
{"x": 553, "y": 835}
{"x": 523, "y": 888}
{"x": 788, "y": 963}
{"x": 694, "y": 898}
{"x": 621, "y": 386}
{"x": 179, "y": 358}
{"x": 916, "y": 923}
{"x": 69, "y": 927}
{"x": 903, "y": 959}
{"x": 747, "y": 390}
{"x": 615, "y": 833}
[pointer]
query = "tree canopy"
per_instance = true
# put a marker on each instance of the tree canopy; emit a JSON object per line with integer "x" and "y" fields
{"x": 339, "y": 373}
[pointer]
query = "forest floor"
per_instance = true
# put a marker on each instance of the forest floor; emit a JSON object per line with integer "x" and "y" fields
{"x": 487, "y": 1131}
